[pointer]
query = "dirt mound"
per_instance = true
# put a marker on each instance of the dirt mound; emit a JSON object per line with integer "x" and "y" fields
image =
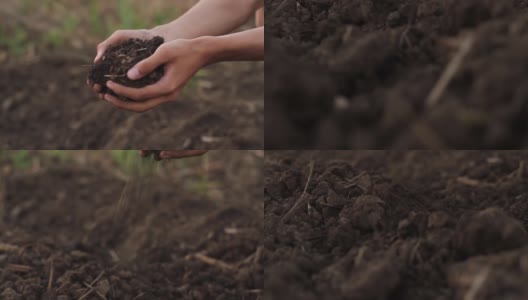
{"x": 60, "y": 240}
{"x": 118, "y": 59}
{"x": 395, "y": 225}
{"x": 363, "y": 74}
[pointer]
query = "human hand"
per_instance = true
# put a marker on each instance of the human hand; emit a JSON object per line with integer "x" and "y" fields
{"x": 176, "y": 154}
{"x": 181, "y": 59}
{"x": 116, "y": 38}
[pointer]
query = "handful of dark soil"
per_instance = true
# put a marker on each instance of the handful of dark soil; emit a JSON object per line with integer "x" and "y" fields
{"x": 118, "y": 59}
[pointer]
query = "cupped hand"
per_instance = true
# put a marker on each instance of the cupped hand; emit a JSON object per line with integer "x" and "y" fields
{"x": 116, "y": 38}
{"x": 181, "y": 59}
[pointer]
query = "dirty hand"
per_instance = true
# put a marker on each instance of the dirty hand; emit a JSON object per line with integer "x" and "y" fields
{"x": 182, "y": 59}
{"x": 174, "y": 154}
{"x": 117, "y": 38}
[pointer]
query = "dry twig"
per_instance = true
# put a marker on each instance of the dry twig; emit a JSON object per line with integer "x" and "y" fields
{"x": 477, "y": 284}
{"x": 450, "y": 71}
{"x": 301, "y": 199}
{"x": 91, "y": 287}
{"x": 50, "y": 278}
{"x": 9, "y": 248}
{"x": 212, "y": 261}
{"x": 19, "y": 268}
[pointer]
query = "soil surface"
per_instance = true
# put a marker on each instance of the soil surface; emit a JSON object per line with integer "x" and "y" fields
{"x": 364, "y": 74}
{"x": 396, "y": 225}
{"x": 46, "y": 104}
{"x": 60, "y": 240}
{"x": 119, "y": 59}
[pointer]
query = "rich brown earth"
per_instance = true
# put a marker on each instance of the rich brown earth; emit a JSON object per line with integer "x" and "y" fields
{"x": 119, "y": 59}
{"x": 66, "y": 229}
{"x": 396, "y": 225}
{"x": 46, "y": 104}
{"x": 360, "y": 74}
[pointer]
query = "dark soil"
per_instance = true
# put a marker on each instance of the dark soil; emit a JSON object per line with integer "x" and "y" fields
{"x": 356, "y": 74}
{"x": 63, "y": 231}
{"x": 118, "y": 59}
{"x": 396, "y": 225}
{"x": 46, "y": 104}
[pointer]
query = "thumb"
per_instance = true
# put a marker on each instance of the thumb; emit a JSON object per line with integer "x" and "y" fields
{"x": 148, "y": 65}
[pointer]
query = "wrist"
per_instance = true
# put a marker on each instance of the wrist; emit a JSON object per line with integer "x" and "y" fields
{"x": 162, "y": 31}
{"x": 209, "y": 47}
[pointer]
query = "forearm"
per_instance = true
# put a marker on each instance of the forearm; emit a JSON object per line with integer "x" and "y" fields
{"x": 209, "y": 18}
{"x": 242, "y": 46}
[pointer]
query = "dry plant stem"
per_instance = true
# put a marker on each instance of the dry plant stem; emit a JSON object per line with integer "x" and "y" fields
{"x": 9, "y": 248}
{"x": 301, "y": 199}
{"x": 50, "y": 279}
{"x": 477, "y": 284}
{"x": 91, "y": 288}
{"x": 138, "y": 296}
{"x": 279, "y": 7}
{"x": 19, "y": 268}
{"x": 359, "y": 257}
{"x": 96, "y": 291}
{"x": 213, "y": 262}
{"x": 450, "y": 71}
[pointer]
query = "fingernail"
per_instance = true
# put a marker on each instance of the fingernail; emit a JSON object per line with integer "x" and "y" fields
{"x": 109, "y": 84}
{"x": 133, "y": 74}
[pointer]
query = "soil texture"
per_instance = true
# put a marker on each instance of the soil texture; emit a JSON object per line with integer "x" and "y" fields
{"x": 119, "y": 59}
{"x": 396, "y": 225}
{"x": 390, "y": 74}
{"x": 68, "y": 233}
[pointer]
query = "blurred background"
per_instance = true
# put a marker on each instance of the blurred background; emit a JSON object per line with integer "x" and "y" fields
{"x": 30, "y": 28}
{"x": 211, "y": 175}
{"x": 46, "y": 51}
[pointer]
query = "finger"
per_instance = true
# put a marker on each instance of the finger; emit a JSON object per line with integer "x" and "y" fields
{"x": 181, "y": 153}
{"x": 97, "y": 88}
{"x": 138, "y": 106}
{"x": 148, "y": 65}
{"x": 101, "y": 96}
{"x": 158, "y": 89}
{"x": 115, "y": 38}
{"x": 144, "y": 153}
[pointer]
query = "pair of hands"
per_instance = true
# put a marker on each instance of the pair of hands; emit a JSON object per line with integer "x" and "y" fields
{"x": 175, "y": 154}
{"x": 182, "y": 59}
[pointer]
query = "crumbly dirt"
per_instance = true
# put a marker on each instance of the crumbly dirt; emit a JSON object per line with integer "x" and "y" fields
{"x": 46, "y": 104}
{"x": 119, "y": 59}
{"x": 396, "y": 225}
{"x": 359, "y": 74}
{"x": 65, "y": 234}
